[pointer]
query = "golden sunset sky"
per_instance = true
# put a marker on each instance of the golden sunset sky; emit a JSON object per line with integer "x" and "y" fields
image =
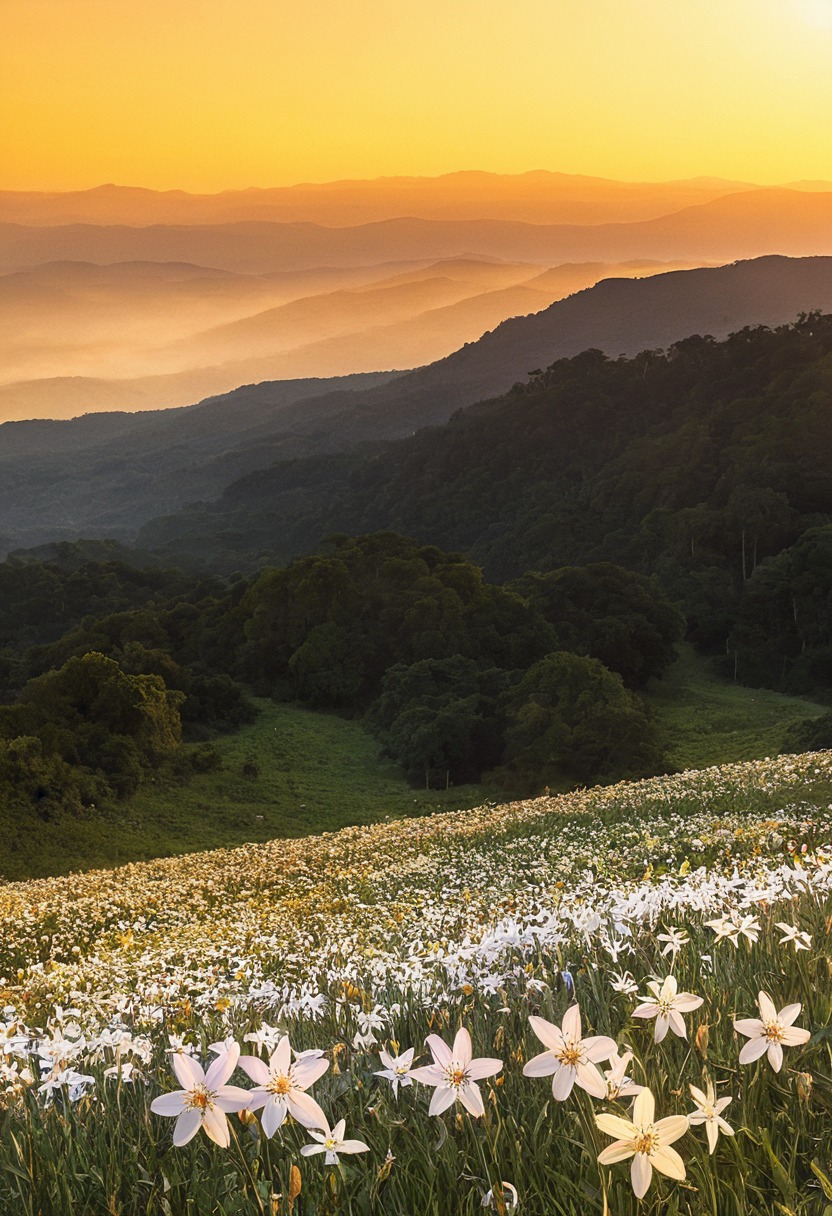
{"x": 206, "y": 95}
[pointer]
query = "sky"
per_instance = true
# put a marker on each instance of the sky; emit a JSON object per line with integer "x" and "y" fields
{"x": 206, "y": 95}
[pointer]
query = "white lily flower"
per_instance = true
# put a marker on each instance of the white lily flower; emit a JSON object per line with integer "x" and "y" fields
{"x": 570, "y": 1059}
{"x": 709, "y": 1111}
{"x": 771, "y": 1032}
{"x": 455, "y": 1074}
{"x": 332, "y": 1143}
{"x": 204, "y": 1099}
{"x": 619, "y": 1085}
{"x": 396, "y": 1069}
{"x": 791, "y": 933}
{"x": 675, "y": 939}
{"x": 280, "y": 1087}
{"x": 647, "y": 1142}
{"x": 667, "y": 1007}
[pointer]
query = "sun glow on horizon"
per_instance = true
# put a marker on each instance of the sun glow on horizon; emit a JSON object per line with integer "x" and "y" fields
{"x": 233, "y": 93}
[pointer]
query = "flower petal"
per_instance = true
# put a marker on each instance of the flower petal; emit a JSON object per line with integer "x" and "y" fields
{"x": 273, "y": 1116}
{"x": 601, "y": 1047}
{"x": 441, "y": 1100}
{"x": 539, "y": 1066}
{"x": 768, "y": 1011}
{"x": 307, "y": 1071}
{"x": 641, "y": 1174}
{"x": 440, "y": 1050}
{"x": 750, "y": 1027}
{"x": 429, "y": 1074}
{"x": 614, "y": 1125}
{"x": 644, "y": 1109}
{"x": 590, "y": 1079}
{"x": 306, "y": 1110}
{"x": 667, "y": 1161}
{"x": 790, "y": 1013}
{"x": 485, "y": 1066}
{"x": 353, "y": 1146}
{"x": 795, "y": 1036}
{"x": 188, "y": 1070}
{"x": 187, "y": 1126}
{"x": 563, "y": 1082}
{"x": 775, "y": 1056}
{"x": 677, "y": 1024}
{"x": 686, "y": 1002}
{"x": 620, "y": 1151}
{"x": 753, "y": 1049}
{"x": 462, "y": 1048}
{"x": 170, "y": 1104}
{"x": 549, "y": 1035}
{"x": 572, "y": 1024}
{"x": 255, "y": 1068}
{"x": 216, "y": 1126}
{"x": 222, "y": 1068}
{"x": 671, "y": 1128}
{"x": 233, "y": 1097}
{"x": 471, "y": 1098}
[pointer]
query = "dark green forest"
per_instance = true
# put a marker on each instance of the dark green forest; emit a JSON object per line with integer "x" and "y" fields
{"x": 490, "y": 597}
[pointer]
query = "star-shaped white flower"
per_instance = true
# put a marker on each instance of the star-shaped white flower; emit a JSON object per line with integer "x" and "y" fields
{"x": 709, "y": 1110}
{"x": 771, "y": 1032}
{"x": 647, "y": 1142}
{"x": 667, "y": 1007}
{"x": 797, "y": 937}
{"x": 396, "y": 1068}
{"x": 204, "y": 1099}
{"x": 332, "y": 1143}
{"x": 619, "y": 1085}
{"x": 570, "y": 1059}
{"x": 280, "y": 1087}
{"x": 455, "y": 1074}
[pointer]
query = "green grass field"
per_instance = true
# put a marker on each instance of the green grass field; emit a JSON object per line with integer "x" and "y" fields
{"x": 704, "y": 720}
{"x": 318, "y": 772}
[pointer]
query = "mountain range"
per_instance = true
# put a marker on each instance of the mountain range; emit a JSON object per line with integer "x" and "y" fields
{"x": 107, "y": 474}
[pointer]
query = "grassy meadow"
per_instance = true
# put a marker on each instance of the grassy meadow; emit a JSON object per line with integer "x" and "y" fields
{"x": 377, "y": 937}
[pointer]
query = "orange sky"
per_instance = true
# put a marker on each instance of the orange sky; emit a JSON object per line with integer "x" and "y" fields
{"x": 212, "y": 94}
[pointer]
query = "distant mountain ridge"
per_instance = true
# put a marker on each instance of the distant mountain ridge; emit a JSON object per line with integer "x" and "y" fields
{"x": 108, "y": 475}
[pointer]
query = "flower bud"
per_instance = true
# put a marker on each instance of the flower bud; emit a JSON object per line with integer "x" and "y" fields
{"x": 803, "y": 1085}
{"x": 703, "y": 1038}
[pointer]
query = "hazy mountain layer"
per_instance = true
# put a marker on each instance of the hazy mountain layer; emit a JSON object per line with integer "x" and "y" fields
{"x": 107, "y": 475}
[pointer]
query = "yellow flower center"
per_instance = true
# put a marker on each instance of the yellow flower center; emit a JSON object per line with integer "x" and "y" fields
{"x": 647, "y": 1142}
{"x": 456, "y": 1076}
{"x": 401, "y": 1070}
{"x": 330, "y": 1144}
{"x": 665, "y": 1004}
{"x": 773, "y": 1030}
{"x": 570, "y": 1055}
{"x": 200, "y": 1098}
{"x": 280, "y": 1085}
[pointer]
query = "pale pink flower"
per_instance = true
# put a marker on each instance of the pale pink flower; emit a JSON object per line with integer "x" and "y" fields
{"x": 667, "y": 1007}
{"x": 771, "y": 1032}
{"x": 397, "y": 1069}
{"x": 709, "y": 1111}
{"x": 647, "y": 1142}
{"x": 455, "y": 1074}
{"x": 280, "y": 1087}
{"x": 332, "y": 1143}
{"x": 570, "y": 1059}
{"x": 204, "y": 1099}
{"x": 619, "y": 1085}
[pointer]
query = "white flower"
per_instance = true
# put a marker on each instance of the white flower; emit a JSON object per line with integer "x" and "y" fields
{"x": 725, "y": 927}
{"x": 749, "y": 927}
{"x": 396, "y": 1069}
{"x": 204, "y": 1099}
{"x": 791, "y": 933}
{"x": 332, "y": 1143}
{"x": 709, "y": 1111}
{"x": 570, "y": 1059}
{"x": 675, "y": 939}
{"x": 645, "y": 1141}
{"x": 280, "y": 1087}
{"x": 506, "y": 1200}
{"x": 455, "y": 1074}
{"x": 771, "y": 1032}
{"x": 667, "y": 1007}
{"x": 624, "y": 982}
{"x": 618, "y": 1085}
{"x": 267, "y": 1036}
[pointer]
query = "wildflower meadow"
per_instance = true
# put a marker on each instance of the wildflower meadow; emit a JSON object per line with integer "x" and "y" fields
{"x": 614, "y": 1001}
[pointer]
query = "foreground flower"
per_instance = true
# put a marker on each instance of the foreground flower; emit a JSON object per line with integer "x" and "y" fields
{"x": 645, "y": 1141}
{"x": 204, "y": 1099}
{"x": 618, "y": 1085}
{"x": 571, "y": 1060}
{"x": 279, "y": 1088}
{"x": 771, "y": 1032}
{"x": 667, "y": 1007}
{"x": 455, "y": 1074}
{"x": 332, "y": 1143}
{"x": 396, "y": 1069}
{"x": 709, "y": 1110}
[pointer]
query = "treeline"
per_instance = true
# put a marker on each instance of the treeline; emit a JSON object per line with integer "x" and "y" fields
{"x": 708, "y": 466}
{"x": 535, "y": 682}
